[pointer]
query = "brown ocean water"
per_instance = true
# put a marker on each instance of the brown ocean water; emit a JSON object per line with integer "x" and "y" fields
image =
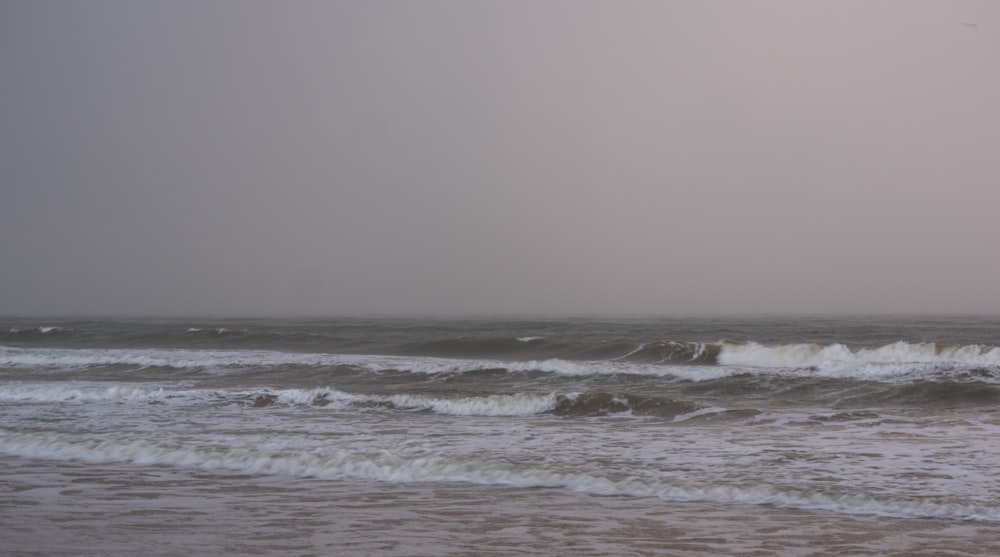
{"x": 587, "y": 436}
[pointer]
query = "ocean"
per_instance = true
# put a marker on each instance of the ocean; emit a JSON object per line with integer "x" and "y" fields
{"x": 767, "y": 435}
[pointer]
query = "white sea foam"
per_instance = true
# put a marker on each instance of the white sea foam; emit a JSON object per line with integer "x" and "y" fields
{"x": 385, "y": 466}
{"x": 91, "y": 392}
{"x": 801, "y": 355}
{"x": 699, "y": 412}
{"x": 299, "y": 397}
{"x": 518, "y": 404}
{"x": 529, "y": 339}
{"x": 837, "y": 360}
{"x": 61, "y": 392}
{"x": 521, "y": 404}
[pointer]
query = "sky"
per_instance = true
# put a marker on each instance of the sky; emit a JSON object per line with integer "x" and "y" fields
{"x": 244, "y": 157}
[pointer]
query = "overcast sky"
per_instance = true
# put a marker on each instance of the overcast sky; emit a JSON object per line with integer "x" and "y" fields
{"x": 458, "y": 157}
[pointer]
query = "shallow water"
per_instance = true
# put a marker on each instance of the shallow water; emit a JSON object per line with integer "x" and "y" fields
{"x": 73, "y": 509}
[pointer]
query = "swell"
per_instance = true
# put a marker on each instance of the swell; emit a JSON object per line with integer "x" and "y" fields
{"x": 219, "y": 335}
{"x": 386, "y": 466}
{"x": 606, "y": 403}
{"x": 846, "y": 393}
{"x": 527, "y": 348}
{"x": 925, "y": 394}
{"x": 489, "y": 347}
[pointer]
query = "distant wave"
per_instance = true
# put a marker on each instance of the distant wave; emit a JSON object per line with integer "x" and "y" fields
{"x": 899, "y": 361}
{"x": 75, "y": 359}
{"x": 513, "y": 347}
{"x": 393, "y": 467}
{"x": 44, "y": 330}
{"x": 220, "y": 360}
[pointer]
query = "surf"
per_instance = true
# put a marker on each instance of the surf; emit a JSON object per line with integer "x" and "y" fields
{"x": 396, "y": 467}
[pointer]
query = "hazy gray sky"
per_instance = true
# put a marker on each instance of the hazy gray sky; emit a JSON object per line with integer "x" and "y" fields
{"x": 241, "y": 157}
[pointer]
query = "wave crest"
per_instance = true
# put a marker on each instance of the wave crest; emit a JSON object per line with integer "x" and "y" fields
{"x": 838, "y": 360}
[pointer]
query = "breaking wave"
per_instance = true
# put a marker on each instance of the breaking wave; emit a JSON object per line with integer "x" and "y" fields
{"x": 515, "y": 404}
{"x": 80, "y": 393}
{"x": 900, "y": 361}
{"x": 518, "y": 404}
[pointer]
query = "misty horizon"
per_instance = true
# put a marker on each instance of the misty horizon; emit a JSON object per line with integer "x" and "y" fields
{"x": 447, "y": 158}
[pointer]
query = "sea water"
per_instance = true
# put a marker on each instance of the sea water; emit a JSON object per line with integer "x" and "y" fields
{"x": 466, "y": 436}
